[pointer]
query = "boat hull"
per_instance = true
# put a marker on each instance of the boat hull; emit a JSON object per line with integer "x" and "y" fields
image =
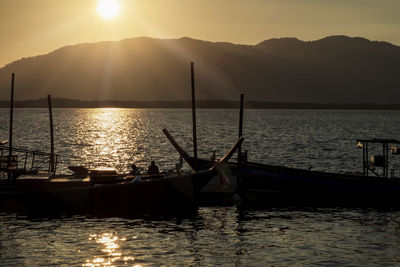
{"x": 165, "y": 196}
{"x": 265, "y": 186}
{"x": 269, "y": 186}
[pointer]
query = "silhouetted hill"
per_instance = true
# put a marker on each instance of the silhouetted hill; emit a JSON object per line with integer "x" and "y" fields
{"x": 335, "y": 69}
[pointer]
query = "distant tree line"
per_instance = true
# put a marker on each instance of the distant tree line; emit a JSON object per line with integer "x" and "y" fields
{"x": 217, "y": 104}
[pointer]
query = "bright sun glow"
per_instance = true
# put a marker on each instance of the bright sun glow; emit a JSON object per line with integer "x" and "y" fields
{"x": 108, "y": 9}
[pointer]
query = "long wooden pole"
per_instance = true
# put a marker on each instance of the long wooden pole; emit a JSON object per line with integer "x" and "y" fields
{"x": 239, "y": 182}
{"x": 52, "y": 167}
{"x": 11, "y": 125}
{"x": 194, "y": 116}
{"x": 240, "y": 124}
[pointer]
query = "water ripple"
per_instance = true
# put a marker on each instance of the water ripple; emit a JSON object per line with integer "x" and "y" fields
{"x": 217, "y": 236}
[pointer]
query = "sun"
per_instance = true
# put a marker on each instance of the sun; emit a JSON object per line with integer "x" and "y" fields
{"x": 108, "y": 9}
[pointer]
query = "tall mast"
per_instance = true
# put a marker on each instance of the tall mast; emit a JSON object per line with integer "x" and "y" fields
{"x": 10, "y": 136}
{"x": 240, "y": 124}
{"x": 239, "y": 182}
{"x": 194, "y": 116}
{"x": 52, "y": 167}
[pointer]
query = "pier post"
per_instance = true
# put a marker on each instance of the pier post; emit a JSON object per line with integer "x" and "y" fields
{"x": 194, "y": 116}
{"x": 365, "y": 158}
{"x": 52, "y": 167}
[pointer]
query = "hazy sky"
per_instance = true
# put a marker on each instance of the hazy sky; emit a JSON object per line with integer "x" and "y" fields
{"x": 32, "y": 27}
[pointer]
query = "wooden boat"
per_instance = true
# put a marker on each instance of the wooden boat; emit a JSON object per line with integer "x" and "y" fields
{"x": 275, "y": 186}
{"x": 263, "y": 185}
{"x": 99, "y": 192}
{"x": 106, "y": 193}
{"x": 161, "y": 195}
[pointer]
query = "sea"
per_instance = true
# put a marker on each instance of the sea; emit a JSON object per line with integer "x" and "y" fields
{"x": 216, "y": 236}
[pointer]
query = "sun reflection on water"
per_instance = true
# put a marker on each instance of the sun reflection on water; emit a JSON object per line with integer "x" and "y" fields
{"x": 107, "y": 135}
{"x": 111, "y": 253}
{"x": 117, "y": 138}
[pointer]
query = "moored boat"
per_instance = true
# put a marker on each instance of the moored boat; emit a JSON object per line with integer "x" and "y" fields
{"x": 263, "y": 185}
{"x": 107, "y": 193}
{"x": 164, "y": 195}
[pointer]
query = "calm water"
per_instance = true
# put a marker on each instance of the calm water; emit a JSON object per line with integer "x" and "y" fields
{"x": 222, "y": 236}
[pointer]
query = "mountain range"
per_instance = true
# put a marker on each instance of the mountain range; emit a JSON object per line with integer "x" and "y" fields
{"x": 335, "y": 69}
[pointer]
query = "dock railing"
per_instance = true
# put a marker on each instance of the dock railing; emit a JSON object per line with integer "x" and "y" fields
{"x": 25, "y": 160}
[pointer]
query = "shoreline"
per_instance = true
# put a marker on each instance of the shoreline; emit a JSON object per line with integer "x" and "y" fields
{"x": 204, "y": 104}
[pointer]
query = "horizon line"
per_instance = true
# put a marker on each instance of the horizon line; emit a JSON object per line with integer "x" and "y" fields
{"x": 205, "y": 104}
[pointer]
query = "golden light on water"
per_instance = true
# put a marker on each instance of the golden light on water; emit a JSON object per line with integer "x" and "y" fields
{"x": 112, "y": 255}
{"x": 108, "y": 9}
{"x": 107, "y": 138}
{"x": 110, "y": 138}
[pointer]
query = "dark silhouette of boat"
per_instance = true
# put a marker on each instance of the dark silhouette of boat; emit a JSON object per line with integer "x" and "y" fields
{"x": 107, "y": 193}
{"x": 97, "y": 192}
{"x": 263, "y": 185}
{"x": 162, "y": 195}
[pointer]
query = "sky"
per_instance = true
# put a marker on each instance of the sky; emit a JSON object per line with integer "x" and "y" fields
{"x": 33, "y": 27}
